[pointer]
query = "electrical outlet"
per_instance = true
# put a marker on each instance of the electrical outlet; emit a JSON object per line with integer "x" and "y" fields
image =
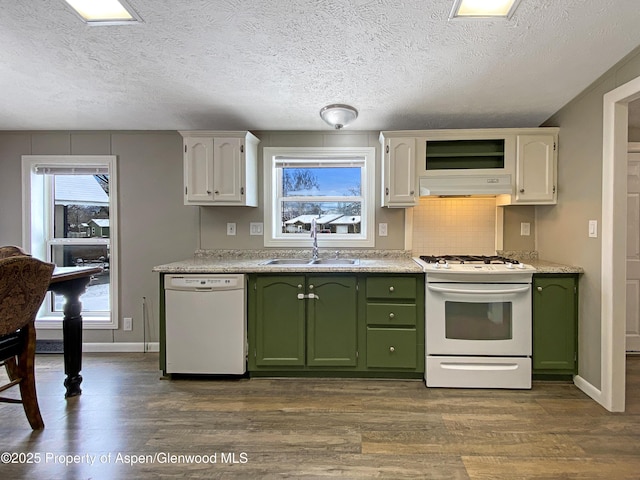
{"x": 128, "y": 324}
{"x": 231, "y": 228}
{"x": 255, "y": 228}
{"x": 382, "y": 229}
{"x": 525, "y": 229}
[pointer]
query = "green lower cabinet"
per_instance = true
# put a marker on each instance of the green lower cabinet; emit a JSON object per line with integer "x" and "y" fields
{"x": 395, "y": 323}
{"x": 332, "y": 320}
{"x": 349, "y": 325}
{"x": 391, "y": 348}
{"x": 302, "y": 321}
{"x": 555, "y": 324}
{"x": 280, "y": 333}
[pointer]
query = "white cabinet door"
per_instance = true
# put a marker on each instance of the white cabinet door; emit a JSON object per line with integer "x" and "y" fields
{"x": 399, "y": 169}
{"x": 198, "y": 170}
{"x": 536, "y": 169}
{"x": 228, "y": 158}
{"x": 220, "y": 168}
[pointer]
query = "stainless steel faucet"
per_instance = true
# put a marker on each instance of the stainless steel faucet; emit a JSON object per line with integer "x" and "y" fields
{"x": 314, "y": 236}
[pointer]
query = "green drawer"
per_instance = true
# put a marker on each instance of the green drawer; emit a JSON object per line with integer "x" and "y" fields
{"x": 391, "y": 287}
{"x": 391, "y": 347}
{"x": 391, "y": 314}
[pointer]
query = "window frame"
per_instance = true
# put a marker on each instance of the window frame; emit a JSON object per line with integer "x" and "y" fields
{"x": 273, "y": 236}
{"x": 38, "y": 221}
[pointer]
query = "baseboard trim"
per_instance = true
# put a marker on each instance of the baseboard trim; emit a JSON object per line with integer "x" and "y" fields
{"x": 121, "y": 347}
{"x": 589, "y": 389}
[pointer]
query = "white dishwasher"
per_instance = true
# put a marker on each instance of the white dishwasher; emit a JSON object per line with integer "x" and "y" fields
{"x": 205, "y": 324}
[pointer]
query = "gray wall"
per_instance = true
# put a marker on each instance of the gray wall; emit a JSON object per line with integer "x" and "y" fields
{"x": 155, "y": 226}
{"x": 562, "y": 229}
{"x": 513, "y": 216}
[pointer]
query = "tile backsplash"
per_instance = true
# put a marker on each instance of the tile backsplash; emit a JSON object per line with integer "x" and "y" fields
{"x": 449, "y": 226}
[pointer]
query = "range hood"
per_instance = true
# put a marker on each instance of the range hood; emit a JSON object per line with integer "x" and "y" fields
{"x": 462, "y": 185}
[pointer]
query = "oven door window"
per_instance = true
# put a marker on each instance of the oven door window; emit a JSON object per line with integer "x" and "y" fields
{"x": 478, "y": 321}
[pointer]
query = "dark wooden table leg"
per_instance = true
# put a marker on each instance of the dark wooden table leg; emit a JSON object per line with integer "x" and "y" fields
{"x": 72, "y": 331}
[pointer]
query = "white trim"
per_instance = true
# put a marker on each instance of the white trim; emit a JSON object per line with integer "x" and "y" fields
{"x": 121, "y": 347}
{"x": 613, "y": 265}
{"x": 367, "y": 237}
{"x": 588, "y": 388}
{"x": 33, "y": 241}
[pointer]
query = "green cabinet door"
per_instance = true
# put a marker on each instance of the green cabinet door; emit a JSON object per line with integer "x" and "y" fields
{"x": 280, "y": 320}
{"x": 332, "y": 321}
{"x": 555, "y": 302}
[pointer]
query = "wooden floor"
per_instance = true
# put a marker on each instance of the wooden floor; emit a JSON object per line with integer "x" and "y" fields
{"x": 301, "y": 428}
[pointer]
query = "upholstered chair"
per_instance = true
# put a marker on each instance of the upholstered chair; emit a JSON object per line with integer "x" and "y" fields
{"x": 11, "y": 251}
{"x": 24, "y": 281}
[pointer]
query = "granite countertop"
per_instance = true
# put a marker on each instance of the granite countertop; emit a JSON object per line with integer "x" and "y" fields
{"x": 541, "y": 266}
{"x": 254, "y": 261}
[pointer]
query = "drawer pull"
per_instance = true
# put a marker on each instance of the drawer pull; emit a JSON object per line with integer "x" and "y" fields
{"x": 391, "y": 289}
{"x": 391, "y": 315}
{"x": 392, "y": 349}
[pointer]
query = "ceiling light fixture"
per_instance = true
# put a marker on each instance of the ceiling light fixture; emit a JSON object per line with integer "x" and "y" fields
{"x": 104, "y": 12}
{"x": 483, "y": 8}
{"x": 338, "y": 115}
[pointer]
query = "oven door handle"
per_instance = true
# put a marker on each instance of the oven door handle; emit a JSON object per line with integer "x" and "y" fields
{"x": 435, "y": 288}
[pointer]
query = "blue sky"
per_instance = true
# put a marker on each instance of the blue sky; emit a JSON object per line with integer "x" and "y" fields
{"x": 334, "y": 181}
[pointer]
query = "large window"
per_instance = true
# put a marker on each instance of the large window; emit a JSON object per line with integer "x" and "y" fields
{"x": 334, "y": 186}
{"x": 70, "y": 218}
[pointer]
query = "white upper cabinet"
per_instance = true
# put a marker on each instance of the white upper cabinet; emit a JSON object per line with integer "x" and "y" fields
{"x": 398, "y": 171}
{"x": 220, "y": 168}
{"x": 536, "y": 170}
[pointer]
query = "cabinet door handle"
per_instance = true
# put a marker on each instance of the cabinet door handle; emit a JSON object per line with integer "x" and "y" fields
{"x": 391, "y": 315}
{"x": 391, "y": 289}
{"x": 392, "y": 349}
{"x": 313, "y": 296}
{"x": 386, "y": 191}
{"x": 539, "y": 289}
{"x": 209, "y": 192}
{"x": 216, "y": 192}
{"x": 522, "y": 190}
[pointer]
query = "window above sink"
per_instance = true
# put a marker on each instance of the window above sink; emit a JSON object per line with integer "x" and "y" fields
{"x": 333, "y": 185}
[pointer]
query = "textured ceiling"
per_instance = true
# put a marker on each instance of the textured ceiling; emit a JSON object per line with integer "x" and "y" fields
{"x": 271, "y": 65}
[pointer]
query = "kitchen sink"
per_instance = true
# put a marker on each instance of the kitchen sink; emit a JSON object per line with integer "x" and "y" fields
{"x": 288, "y": 261}
{"x": 336, "y": 261}
{"x": 309, "y": 262}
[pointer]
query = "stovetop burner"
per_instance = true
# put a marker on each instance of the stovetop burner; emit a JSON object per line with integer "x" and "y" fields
{"x": 485, "y": 259}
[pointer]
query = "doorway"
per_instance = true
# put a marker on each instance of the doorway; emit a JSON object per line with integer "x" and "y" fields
{"x": 614, "y": 240}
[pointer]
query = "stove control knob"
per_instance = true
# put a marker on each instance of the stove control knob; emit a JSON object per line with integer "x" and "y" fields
{"x": 436, "y": 265}
{"x": 509, "y": 265}
{"x": 522, "y": 266}
{"x": 446, "y": 265}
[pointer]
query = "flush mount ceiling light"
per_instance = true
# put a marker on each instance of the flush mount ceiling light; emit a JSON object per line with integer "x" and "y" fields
{"x": 338, "y": 115}
{"x": 104, "y": 12}
{"x": 483, "y": 8}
